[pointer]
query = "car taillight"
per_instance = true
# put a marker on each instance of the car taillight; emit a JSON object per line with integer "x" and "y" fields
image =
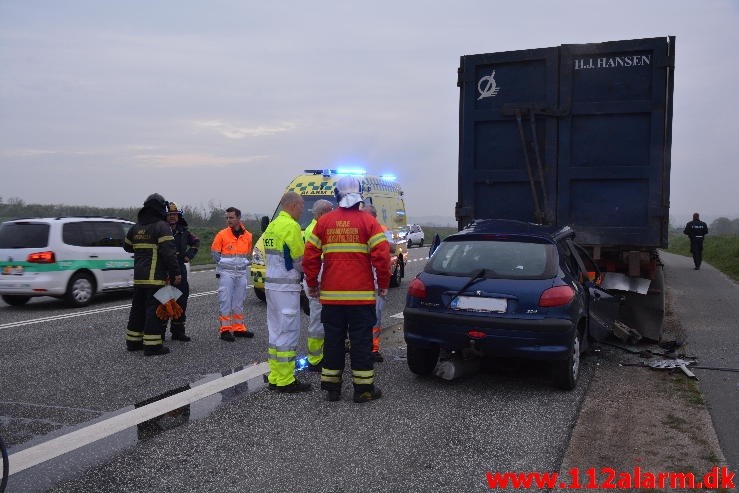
{"x": 557, "y": 296}
{"x": 41, "y": 258}
{"x": 417, "y": 289}
{"x": 476, "y": 334}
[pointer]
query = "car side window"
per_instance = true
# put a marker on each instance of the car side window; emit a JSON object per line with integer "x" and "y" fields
{"x": 78, "y": 234}
{"x": 108, "y": 234}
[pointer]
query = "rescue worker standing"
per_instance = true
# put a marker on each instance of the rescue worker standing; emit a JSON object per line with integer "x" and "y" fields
{"x": 283, "y": 249}
{"x": 187, "y": 245}
{"x": 696, "y": 231}
{"x": 347, "y": 243}
{"x": 155, "y": 262}
{"x": 315, "y": 327}
{"x": 230, "y": 249}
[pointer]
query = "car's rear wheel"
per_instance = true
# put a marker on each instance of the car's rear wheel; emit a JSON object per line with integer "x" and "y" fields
{"x": 567, "y": 371}
{"x": 15, "y": 299}
{"x": 410, "y": 243}
{"x": 420, "y": 243}
{"x": 261, "y": 296}
{"x": 422, "y": 358}
{"x": 80, "y": 290}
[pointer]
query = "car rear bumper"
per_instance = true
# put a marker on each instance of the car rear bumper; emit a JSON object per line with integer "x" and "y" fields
{"x": 544, "y": 339}
{"x": 36, "y": 284}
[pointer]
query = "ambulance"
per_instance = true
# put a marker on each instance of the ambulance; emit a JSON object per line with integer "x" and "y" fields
{"x": 315, "y": 184}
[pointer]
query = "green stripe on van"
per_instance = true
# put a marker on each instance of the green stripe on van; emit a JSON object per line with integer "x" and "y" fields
{"x": 61, "y": 265}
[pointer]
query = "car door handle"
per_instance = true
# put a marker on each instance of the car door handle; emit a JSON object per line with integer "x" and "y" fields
{"x": 93, "y": 256}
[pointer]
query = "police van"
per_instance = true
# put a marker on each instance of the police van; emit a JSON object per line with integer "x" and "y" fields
{"x": 72, "y": 258}
{"x": 315, "y": 184}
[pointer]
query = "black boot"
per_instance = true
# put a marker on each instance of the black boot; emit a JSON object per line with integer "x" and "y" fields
{"x": 180, "y": 336}
{"x": 156, "y": 350}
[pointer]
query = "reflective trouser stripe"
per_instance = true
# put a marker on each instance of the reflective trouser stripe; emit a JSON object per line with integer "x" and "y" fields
{"x": 283, "y": 323}
{"x": 315, "y": 332}
{"x": 281, "y": 365}
{"x": 315, "y": 350}
{"x": 330, "y": 376}
{"x": 225, "y": 323}
{"x": 377, "y": 329}
{"x": 238, "y": 323}
{"x": 134, "y": 335}
{"x": 153, "y": 339}
{"x": 363, "y": 377}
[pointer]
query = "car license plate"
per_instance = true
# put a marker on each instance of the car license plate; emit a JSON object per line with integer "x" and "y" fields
{"x": 479, "y": 304}
{"x": 13, "y": 270}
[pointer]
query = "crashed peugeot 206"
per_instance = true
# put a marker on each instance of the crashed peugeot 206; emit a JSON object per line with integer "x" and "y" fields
{"x": 505, "y": 288}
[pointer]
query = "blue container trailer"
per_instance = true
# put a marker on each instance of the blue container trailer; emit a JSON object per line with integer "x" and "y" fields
{"x": 577, "y": 134}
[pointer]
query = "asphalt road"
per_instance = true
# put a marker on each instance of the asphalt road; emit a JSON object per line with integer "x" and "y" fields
{"x": 63, "y": 369}
{"x": 707, "y": 304}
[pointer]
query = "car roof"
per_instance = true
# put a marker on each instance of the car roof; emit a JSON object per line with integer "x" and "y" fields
{"x": 515, "y": 228}
{"x": 70, "y": 219}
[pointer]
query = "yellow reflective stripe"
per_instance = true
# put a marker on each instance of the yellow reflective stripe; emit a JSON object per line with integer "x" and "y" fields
{"x": 134, "y": 336}
{"x": 326, "y": 379}
{"x": 377, "y": 239}
{"x": 346, "y": 248}
{"x": 162, "y": 239}
{"x": 363, "y": 373}
{"x": 348, "y": 295}
{"x": 152, "y": 339}
{"x": 149, "y": 282}
{"x": 144, "y": 245}
{"x": 330, "y": 376}
{"x": 313, "y": 240}
{"x": 154, "y": 260}
{"x": 363, "y": 381}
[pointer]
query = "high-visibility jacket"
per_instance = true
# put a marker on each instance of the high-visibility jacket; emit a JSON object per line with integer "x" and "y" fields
{"x": 283, "y": 251}
{"x": 154, "y": 252}
{"x": 351, "y": 242}
{"x": 309, "y": 229}
{"x": 231, "y": 252}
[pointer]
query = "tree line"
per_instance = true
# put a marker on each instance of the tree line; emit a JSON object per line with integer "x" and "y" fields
{"x": 722, "y": 226}
{"x": 211, "y": 216}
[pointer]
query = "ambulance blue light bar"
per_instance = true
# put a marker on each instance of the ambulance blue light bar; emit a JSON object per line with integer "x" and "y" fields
{"x": 388, "y": 177}
{"x": 351, "y": 171}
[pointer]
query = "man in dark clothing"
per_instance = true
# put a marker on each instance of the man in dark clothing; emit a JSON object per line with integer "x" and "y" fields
{"x": 696, "y": 231}
{"x": 187, "y": 245}
{"x": 154, "y": 263}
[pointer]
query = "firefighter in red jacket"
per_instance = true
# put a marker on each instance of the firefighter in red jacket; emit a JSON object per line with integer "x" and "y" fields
{"x": 348, "y": 243}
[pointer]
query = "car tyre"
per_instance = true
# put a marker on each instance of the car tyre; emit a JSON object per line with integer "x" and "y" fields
{"x": 80, "y": 290}
{"x": 410, "y": 244}
{"x": 422, "y": 358}
{"x": 15, "y": 299}
{"x": 260, "y": 294}
{"x": 421, "y": 243}
{"x": 568, "y": 371}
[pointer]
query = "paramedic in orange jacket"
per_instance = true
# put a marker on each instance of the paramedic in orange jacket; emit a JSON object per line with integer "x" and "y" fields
{"x": 230, "y": 249}
{"x": 348, "y": 243}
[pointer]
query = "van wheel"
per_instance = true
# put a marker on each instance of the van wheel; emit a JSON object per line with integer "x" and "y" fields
{"x": 567, "y": 371}
{"x": 421, "y": 244}
{"x": 80, "y": 290}
{"x": 15, "y": 299}
{"x": 422, "y": 358}
{"x": 410, "y": 244}
{"x": 260, "y": 294}
{"x": 395, "y": 277}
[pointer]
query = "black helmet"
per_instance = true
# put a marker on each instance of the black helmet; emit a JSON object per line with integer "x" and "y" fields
{"x": 173, "y": 209}
{"x": 156, "y": 201}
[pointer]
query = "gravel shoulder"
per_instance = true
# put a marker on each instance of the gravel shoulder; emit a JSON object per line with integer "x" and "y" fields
{"x": 656, "y": 420}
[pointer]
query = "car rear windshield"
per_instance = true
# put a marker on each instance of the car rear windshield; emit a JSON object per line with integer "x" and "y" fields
{"x": 500, "y": 259}
{"x": 24, "y": 235}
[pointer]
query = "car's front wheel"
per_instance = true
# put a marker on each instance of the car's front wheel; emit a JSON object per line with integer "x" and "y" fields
{"x": 15, "y": 299}
{"x": 567, "y": 371}
{"x": 410, "y": 244}
{"x": 80, "y": 290}
{"x": 422, "y": 358}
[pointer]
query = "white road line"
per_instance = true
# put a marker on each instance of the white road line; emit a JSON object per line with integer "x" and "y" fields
{"x": 94, "y": 311}
{"x": 72, "y": 441}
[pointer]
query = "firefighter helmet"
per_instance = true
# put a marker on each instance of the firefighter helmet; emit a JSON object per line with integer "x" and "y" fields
{"x": 173, "y": 209}
{"x": 348, "y": 191}
{"x": 156, "y": 201}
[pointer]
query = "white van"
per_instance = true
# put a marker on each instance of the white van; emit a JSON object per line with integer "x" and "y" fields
{"x": 66, "y": 257}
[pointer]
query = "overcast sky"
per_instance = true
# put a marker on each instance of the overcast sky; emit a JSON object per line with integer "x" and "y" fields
{"x": 103, "y": 102}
